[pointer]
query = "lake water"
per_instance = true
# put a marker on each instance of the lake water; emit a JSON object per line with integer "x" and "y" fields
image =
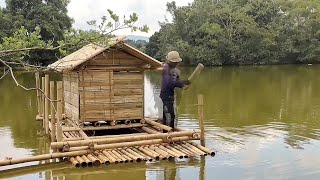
{"x": 262, "y": 121}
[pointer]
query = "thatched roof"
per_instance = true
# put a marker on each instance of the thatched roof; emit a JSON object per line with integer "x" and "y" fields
{"x": 91, "y": 50}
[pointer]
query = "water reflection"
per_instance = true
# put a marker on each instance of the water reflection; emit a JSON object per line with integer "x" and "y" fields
{"x": 263, "y": 121}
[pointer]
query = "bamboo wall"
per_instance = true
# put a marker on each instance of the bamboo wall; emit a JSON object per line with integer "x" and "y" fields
{"x": 71, "y": 95}
{"x": 109, "y": 94}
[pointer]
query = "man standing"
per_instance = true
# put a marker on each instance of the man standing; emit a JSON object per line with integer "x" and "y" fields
{"x": 170, "y": 80}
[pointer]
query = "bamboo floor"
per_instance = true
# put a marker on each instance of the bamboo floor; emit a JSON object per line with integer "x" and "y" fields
{"x": 124, "y": 151}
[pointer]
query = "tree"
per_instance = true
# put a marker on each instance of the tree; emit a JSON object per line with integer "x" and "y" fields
{"x": 241, "y": 32}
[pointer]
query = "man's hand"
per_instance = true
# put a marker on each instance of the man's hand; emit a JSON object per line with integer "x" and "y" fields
{"x": 186, "y": 82}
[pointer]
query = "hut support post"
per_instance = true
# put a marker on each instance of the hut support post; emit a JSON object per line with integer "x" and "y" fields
{"x": 38, "y": 86}
{"x": 53, "y": 118}
{"x": 201, "y": 116}
{"x": 42, "y": 99}
{"x": 59, "y": 111}
{"x": 46, "y": 106}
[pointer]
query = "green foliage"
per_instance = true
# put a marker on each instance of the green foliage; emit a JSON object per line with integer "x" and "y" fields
{"x": 47, "y": 30}
{"x": 241, "y": 32}
{"x": 139, "y": 44}
{"x": 111, "y": 23}
{"x": 23, "y": 39}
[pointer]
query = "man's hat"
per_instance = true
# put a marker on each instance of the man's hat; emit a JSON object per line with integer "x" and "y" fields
{"x": 173, "y": 56}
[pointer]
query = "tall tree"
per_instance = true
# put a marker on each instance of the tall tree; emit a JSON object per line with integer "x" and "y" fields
{"x": 241, "y": 32}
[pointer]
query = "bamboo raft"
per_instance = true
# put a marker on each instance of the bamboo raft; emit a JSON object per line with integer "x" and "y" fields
{"x": 96, "y": 114}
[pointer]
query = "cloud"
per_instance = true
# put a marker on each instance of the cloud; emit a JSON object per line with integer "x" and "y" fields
{"x": 149, "y": 12}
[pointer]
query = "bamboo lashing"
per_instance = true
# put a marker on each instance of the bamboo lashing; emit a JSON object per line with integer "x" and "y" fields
{"x": 55, "y": 145}
{"x": 196, "y": 71}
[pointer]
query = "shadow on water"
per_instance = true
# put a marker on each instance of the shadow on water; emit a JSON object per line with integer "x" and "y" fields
{"x": 263, "y": 121}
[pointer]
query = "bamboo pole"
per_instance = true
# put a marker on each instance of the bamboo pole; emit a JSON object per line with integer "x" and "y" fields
{"x": 145, "y": 156}
{"x": 87, "y": 160}
{"x": 117, "y": 160}
{"x": 150, "y": 131}
{"x": 43, "y": 157}
{"x": 154, "y": 152}
{"x": 199, "y": 153}
{"x": 196, "y": 71}
{"x": 195, "y": 149}
{"x": 161, "y": 126}
{"x": 109, "y": 156}
{"x": 38, "y": 86}
{"x": 176, "y": 151}
{"x": 43, "y": 79}
{"x": 55, "y": 145}
{"x": 134, "y": 153}
{"x": 149, "y": 153}
{"x": 201, "y": 116}
{"x": 53, "y": 118}
{"x": 132, "y": 144}
{"x": 127, "y": 155}
{"x": 81, "y": 161}
{"x": 59, "y": 111}
{"x": 119, "y": 126}
{"x": 46, "y": 106}
{"x": 171, "y": 152}
{"x": 125, "y": 158}
{"x": 207, "y": 150}
{"x": 102, "y": 158}
{"x": 94, "y": 160}
{"x": 164, "y": 154}
{"x": 183, "y": 150}
{"x": 74, "y": 162}
{"x": 121, "y": 160}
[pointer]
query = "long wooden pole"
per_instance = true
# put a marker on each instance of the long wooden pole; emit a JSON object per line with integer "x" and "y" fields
{"x": 55, "y": 145}
{"x": 43, "y": 157}
{"x": 132, "y": 144}
{"x": 201, "y": 116}
{"x": 59, "y": 111}
{"x": 196, "y": 71}
{"x": 119, "y": 126}
{"x": 46, "y": 102}
{"x": 53, "y": 116}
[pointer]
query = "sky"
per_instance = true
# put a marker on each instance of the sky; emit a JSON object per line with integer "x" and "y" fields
{"x": 150, "y": 12}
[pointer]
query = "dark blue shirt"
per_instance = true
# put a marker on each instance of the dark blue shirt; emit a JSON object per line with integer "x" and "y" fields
{"x": 170, "y": 80}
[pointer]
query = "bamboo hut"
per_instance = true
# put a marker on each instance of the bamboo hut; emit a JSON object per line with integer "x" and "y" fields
{"x": 104, "y": 83}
